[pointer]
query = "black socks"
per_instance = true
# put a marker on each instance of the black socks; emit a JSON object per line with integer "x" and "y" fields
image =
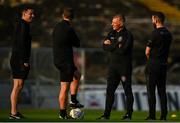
{"x": 73, "y": 98}
{"x": 63, "y": 112}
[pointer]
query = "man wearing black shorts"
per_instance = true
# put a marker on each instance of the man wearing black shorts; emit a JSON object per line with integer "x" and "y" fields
{"x": 157, "y": 51}
{"x": 119, "y": 43}
{"x": 20, "y": 58}
{"x": 64, "y": 39}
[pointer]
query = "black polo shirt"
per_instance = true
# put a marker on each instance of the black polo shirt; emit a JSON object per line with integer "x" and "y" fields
{"x": 160, "y": 44}
{"x": 64, "y": 39}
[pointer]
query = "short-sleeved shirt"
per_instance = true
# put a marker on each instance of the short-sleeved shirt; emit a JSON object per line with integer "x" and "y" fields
{"x": 160, "y": 44}
{"x": 64, "y": 39}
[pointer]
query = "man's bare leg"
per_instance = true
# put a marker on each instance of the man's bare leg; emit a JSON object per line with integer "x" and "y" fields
{"x": 63, "y": 97}
{"x": 17, "y": 87}
{"x": 74, "y": 90}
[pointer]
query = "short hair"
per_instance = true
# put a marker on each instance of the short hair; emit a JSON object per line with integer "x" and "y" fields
{"x": 159, "y": 15}
{"x": 23, "y": 8}
{"x": 68, "y": 12}
{"x": 121, "y": 16}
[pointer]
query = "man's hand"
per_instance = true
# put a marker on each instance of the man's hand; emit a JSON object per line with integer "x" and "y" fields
{"x": 107, "y": 42}
{"x": 147, "y": 52}
{"x": 26, "y": 64}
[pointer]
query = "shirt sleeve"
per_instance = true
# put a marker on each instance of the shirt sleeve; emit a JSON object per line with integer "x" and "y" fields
{"x": 74, "y": 38}
{"x": 110, "y": 47}
{"x": 152, "y": 39}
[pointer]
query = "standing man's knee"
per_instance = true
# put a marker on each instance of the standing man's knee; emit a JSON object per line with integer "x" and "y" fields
{"x": 18, "y": 84}
{"x": 65, "y": 87}
{"x": 111, "y": 87}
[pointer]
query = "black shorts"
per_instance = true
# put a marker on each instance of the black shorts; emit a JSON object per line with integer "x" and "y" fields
{"x": 67, "y": 72}
{"x": 19, "y": 71}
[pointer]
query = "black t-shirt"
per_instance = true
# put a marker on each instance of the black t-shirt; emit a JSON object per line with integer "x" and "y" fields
{"x": 64, "y": 39}
{"x": 160, "y": 44}
{"x": 21, "y": 49}
{"x": 120, "y": 56}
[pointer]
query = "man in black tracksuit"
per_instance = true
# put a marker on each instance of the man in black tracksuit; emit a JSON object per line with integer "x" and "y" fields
{"x": 119, "y": 43}
{"x": 64, "y": 39}
{"x": 157, "y": 51}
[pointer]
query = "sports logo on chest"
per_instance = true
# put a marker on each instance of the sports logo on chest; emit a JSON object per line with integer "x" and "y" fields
{"x": 112, "y": 38}
{"x": 120, "y": 38}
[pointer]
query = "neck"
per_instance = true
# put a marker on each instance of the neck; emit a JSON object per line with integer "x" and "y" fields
{"x": 121, "y": 28}
{"x": 23, "y": 18}
{"x": 66, "y": 19}
{"x": 159, "y": 25}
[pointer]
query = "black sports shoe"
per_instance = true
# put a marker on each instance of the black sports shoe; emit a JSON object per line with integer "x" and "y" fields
{"x": 163, "y": 118}
{"x": 126, "y": 117}
{"x": 16, "y": 116}
{"x": 150, "y": 118}
{"x": 65, "y": 117}
{"x": 103, "y": 117}
{"x": 61, "y": 117}
{"x": 76, "y": 105}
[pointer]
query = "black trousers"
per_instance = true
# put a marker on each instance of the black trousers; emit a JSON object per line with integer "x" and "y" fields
{"x": 156, "y": 77}
{"x": 115, "y": 75}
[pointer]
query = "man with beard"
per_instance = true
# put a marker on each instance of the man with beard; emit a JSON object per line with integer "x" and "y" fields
{"x": 157, "y": 51}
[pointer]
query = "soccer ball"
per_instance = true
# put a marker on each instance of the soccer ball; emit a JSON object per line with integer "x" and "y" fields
{"x": 76, "y": 113}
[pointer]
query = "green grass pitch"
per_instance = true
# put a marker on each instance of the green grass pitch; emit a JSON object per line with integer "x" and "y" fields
{"x": 51, "y": 115}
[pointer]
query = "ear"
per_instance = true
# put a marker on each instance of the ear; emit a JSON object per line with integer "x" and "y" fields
{"x": 156, "y": 20}
{"x": 23, "y": 13}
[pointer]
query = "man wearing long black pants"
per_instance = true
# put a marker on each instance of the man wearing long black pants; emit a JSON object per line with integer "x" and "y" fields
{"x": 157, "y": 51}
{"x": 119, "y": 43}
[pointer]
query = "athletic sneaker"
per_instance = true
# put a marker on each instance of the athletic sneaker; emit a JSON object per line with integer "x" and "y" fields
{"x": 163, "y": 118}
{"x": 150, "y": 118}
{"x": 16, "y": 116}
{"x": 127, "y": 116}
{"x": 76, "y": 105}
{"x": 61, "y": 117}
{"x": 65, "y": 117}
{"x": 103, "y": 117}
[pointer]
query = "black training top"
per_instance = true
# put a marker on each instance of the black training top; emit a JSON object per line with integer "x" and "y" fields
{"x": 160, "y": 44}
{"x": 120, "y": 55}
{"x": 64, "y": 39}
{"x": 21, "y": 49}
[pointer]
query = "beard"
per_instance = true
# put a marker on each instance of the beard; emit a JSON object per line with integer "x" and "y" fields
{"x": 154, "y": 25}
{"x": 118, "y": 28}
